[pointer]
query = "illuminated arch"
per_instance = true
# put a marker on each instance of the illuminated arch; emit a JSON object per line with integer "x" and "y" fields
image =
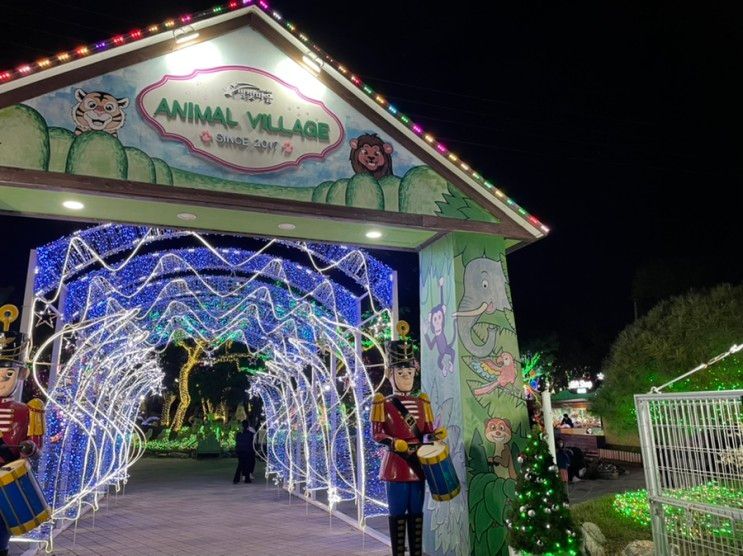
{"x": 125, "y": 292}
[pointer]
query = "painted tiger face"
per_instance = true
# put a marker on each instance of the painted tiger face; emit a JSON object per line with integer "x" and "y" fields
{"x": 97, "y": 111}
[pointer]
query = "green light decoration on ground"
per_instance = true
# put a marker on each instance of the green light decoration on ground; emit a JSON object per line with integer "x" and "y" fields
{"x": 188, "y": 439}
{"x": 690, "y": 525}
{"x": 539, "y": 521}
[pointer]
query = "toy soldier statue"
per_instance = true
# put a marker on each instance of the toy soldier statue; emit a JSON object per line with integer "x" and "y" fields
{"x": 21, "y": 425}
{"x": 403, "y": 422}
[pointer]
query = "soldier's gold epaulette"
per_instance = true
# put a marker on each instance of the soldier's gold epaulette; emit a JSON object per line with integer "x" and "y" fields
{"x": 35, "y": 417}
{"x": 427, "y": 411}
{"x": 377, "y": 412}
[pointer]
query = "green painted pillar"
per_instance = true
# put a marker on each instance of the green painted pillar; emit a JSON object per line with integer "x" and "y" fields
{"x": 471, "y": 371}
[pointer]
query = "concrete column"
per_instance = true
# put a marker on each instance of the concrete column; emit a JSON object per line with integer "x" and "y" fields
{"x": 471, "y": 372}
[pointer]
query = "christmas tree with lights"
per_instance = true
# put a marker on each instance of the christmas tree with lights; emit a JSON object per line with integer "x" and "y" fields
{"x": 539, "y": 521}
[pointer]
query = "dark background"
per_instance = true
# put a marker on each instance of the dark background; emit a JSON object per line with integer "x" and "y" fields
{"x": 617, "y": 125}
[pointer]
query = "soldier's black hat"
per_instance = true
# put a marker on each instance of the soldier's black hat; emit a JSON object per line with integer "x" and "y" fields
{"x": 400, "y": 353}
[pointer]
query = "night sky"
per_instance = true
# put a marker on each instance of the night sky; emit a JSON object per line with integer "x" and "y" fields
{"x": 618, "y": 126}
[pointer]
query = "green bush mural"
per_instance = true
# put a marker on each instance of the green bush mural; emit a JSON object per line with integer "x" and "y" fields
{"x": 337, "y": 192}
{"x": 139, "y": 166}
{"x": 184, "y": 178}
{"x": 27, "y": 142}
{"x": 456, "y": 205}
{"x": 24, "y": 138}
{"x": 363, "y": 191}
{"x": 490, "y": 497}
{"x": 96, "y": 153}
{"x": 60, "y": 141}
{"x": 419, "y": 189}
{"x": 163, "y": 175}
{"x": 391, "y": 190}
{"x": 320, "y": 193}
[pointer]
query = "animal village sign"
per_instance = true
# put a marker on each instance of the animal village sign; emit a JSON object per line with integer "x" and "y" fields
{"x": 241, "y": 117}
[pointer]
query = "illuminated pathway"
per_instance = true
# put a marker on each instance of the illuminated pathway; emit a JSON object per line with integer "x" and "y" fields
{"x": 190, "y": 507}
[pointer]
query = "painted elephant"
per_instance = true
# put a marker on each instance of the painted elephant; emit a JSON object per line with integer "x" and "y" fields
{"x": 484, "y": 293}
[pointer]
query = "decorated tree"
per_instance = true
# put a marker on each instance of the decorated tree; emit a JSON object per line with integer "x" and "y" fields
{"x": 194, "y": 353}
{"x": 539, "y": 520}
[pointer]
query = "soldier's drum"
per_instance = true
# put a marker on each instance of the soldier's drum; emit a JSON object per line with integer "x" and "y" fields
{"x": 22, "y": 505}
{"x": 439, "y": 471}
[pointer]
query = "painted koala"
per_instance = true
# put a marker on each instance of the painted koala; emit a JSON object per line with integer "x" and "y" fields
{"x": 97, "y": 111}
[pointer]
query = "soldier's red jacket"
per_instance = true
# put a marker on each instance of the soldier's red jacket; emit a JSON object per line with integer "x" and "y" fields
{"x": 388, "y": 425}
{"x": 19, "y": 422}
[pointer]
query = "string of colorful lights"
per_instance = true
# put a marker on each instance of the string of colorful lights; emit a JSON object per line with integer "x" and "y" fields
{"x": 172, "y": 24}
{"x": 121, "y": 297}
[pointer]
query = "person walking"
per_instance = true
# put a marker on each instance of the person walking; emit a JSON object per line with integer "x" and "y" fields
{"x": 245, "y": 453}
{"x": 563, "y": 460}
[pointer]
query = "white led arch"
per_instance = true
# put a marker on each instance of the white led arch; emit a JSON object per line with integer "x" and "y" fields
{"x": 117, "y": 295}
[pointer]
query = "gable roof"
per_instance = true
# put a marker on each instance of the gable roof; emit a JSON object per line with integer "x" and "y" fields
{"x": 47, "y": 74}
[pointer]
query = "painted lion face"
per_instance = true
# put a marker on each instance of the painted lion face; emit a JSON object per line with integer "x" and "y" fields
{"x": 371, "y": 157}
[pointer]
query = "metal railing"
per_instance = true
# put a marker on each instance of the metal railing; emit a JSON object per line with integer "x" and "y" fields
{"x": 692, "y": 448}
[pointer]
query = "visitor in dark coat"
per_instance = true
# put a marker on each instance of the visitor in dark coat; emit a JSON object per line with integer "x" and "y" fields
{"x": 566, "y": 421}
{"x": 577, "y": 464}
{"x": 563, "y": 460}
{"x": 245, "y": 453}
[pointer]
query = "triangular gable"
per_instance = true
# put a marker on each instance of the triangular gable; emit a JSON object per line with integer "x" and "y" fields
{"x": 450, "y": 188}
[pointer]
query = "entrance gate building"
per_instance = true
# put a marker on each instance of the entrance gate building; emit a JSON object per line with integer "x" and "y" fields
{"x": 234, "y": 121}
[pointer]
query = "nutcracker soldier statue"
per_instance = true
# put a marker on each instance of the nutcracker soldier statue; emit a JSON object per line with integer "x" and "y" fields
{"x": 403, "y": 422}
{"x": 21, "y": 425}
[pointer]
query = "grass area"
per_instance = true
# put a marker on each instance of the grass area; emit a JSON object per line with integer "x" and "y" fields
{"x": 618, "y": 529}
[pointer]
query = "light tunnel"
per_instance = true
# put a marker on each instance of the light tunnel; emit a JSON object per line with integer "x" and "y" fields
{"x": 108, "y": 300}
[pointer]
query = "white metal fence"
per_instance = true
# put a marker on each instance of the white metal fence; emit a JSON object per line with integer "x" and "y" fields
{"x": 692, "y": 448}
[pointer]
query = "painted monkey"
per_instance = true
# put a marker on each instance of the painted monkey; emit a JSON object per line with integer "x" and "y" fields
{"x": 371, "y": 155}
{"x": 436, "y": 325}
{"x": 498, "y": 431}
